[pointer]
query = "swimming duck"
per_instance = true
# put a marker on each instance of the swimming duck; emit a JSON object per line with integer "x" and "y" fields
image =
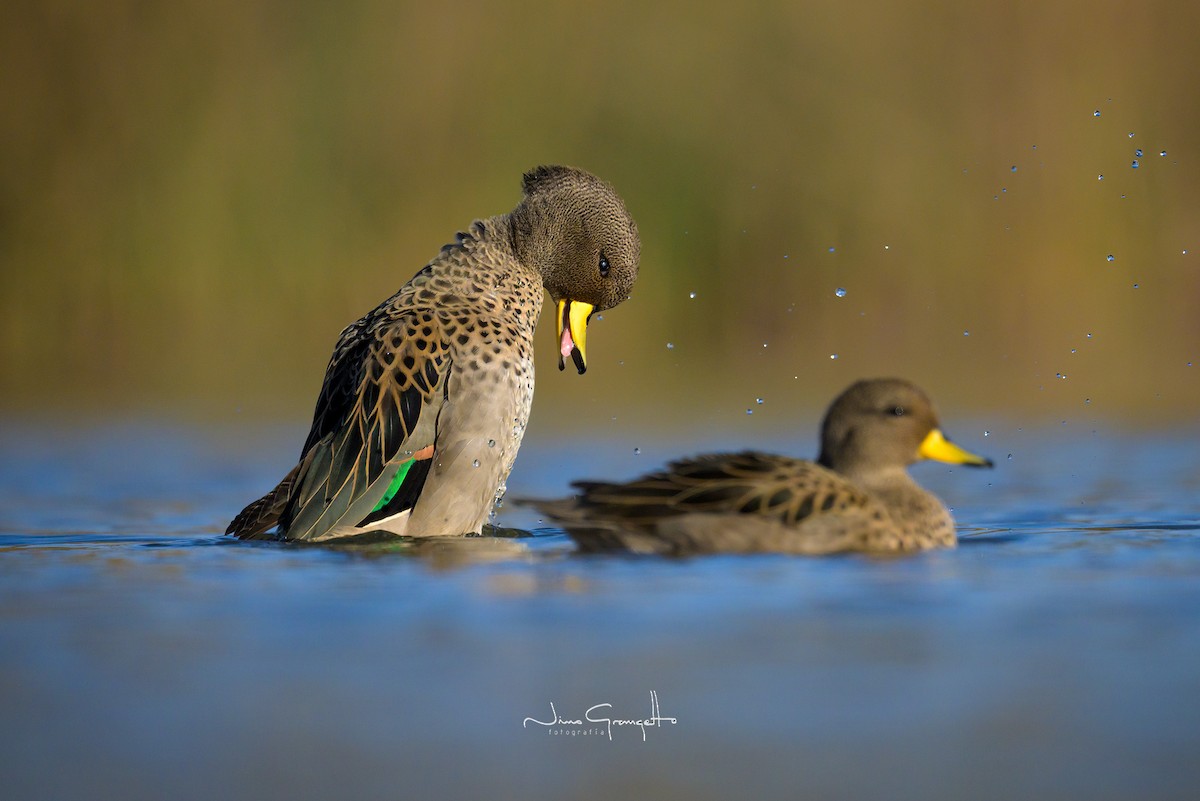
{"x": 857, "y": 496}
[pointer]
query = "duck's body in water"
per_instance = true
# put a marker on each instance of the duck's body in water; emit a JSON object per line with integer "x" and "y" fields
{"x": 858, "y": 495}
{"x": 426, "y": 398}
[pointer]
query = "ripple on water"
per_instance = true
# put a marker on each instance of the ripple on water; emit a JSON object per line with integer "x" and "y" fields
{"x": 1063, "y": 632}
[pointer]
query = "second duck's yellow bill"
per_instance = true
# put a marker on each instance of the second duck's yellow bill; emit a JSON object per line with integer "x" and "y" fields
{"x": 935, "y": 446}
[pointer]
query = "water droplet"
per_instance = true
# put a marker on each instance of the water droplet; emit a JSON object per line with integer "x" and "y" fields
{"x": 1095, "y": 113}
{"x": 1131, "y": 134}
{"x": 833, "y": 356}
{"x": 1135, "y": 286}
{"x": 1072, "y": 350}
{"x": 1010, "y": 456}
{"x": 1087, "y": 401}
{"x": 599, "y": 316}
{"x": 1100, "y": 177}
{"x": 1110, "y": 257}
{"x": 987, "y": 433}
{"x": 670, "y": 346}
{"x": 759, "y": 401}
{"x": 1089, "y": 336}
{"x": 1014, "y": 168}
{"x": 1059, "y": 375}
{"x": 1138, "y": 152}
{"x": 1135, "y": 164}
{"x": 966, "y": 333}
{"x": 1162, "y": 152}
{"x": 491, "y": 443}
{"x": 841, "y": 293}
{"x": 764, "y": 344}
{"x": 691, "y": 294}
{"x": 832, "y": 249}
{"x": 621, "y": 362}
{"x": 749, "y": 411}
{"x": 637, "y": 451}
{"x": 887, "y": 247}
{"x": 475, "y": 463}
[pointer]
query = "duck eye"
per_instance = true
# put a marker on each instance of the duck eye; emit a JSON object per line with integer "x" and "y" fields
{"x": 897, "y": 411}
{"x": 603, "y": 266}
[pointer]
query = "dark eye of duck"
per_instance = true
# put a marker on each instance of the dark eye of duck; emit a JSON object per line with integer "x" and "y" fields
{"x": 897, "y": 411}
{"x": 603, "y": 265}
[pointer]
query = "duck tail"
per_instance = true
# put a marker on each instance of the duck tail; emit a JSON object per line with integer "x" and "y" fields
{"x": 258, "y": 518}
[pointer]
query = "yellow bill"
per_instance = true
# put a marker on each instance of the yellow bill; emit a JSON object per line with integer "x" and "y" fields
{"x": 571, "y": 321}
{"x": 935, "y": 446}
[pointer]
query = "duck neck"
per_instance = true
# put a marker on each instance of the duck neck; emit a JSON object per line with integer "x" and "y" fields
{"x": 505, "y": 263}
{"x": 881, "y": 481}
{"x": 909, "y": 501}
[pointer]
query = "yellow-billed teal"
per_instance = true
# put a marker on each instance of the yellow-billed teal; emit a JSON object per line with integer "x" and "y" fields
{"x": 857, "y": 496}
{"x": 426, "y": 398}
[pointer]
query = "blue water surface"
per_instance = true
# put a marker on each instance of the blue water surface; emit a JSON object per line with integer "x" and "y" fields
{"x": 1054, "y": 654}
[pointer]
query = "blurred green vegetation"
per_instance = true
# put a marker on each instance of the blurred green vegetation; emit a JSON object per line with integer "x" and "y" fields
{"x": 197, "y": 196}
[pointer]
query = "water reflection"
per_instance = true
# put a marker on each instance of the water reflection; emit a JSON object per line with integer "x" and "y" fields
{"x": 1063, "y": 635}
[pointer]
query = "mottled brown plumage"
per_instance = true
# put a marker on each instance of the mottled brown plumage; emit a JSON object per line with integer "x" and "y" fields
{"x": 858, "y": 496}
{"x": 426, "y": 398}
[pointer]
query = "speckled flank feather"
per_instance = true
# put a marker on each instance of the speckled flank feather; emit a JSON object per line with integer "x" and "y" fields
{"x": 436, "y": 383}
{"x": 860, "y": 498}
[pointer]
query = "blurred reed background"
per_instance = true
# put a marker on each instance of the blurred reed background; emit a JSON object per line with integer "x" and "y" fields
{"x": 196, "y": 197}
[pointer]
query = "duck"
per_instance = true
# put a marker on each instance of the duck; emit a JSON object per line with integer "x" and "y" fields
{"x": 857, "y": 496}
{"x": 426, "y": 397}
